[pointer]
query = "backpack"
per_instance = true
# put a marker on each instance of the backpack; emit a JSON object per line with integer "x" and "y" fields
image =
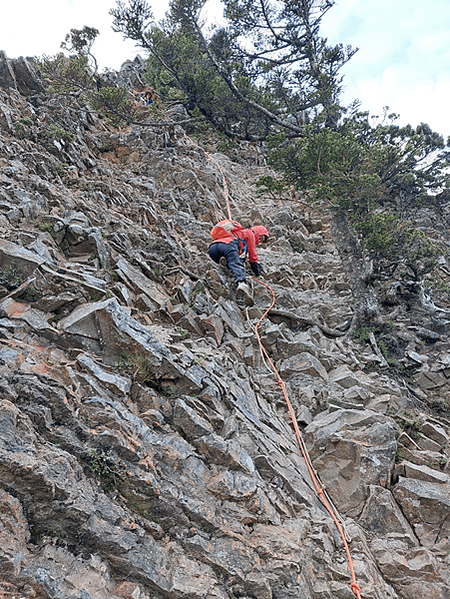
{"x": 225, "y": 228}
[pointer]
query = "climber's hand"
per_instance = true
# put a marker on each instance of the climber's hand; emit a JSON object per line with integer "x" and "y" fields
{"x": 255, "y": 268}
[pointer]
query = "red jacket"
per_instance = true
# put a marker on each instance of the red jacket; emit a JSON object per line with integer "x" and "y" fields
{"x": 248, "y": 239}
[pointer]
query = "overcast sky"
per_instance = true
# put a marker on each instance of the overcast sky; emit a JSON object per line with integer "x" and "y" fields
{"x": 403, "y": 61}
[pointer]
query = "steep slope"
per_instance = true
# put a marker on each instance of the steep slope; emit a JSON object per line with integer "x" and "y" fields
{"x": 145, "y": 447}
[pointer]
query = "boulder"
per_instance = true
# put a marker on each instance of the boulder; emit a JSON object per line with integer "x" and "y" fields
{"x": 303, "y": 363}
{"x": 352, "y": 450}
{"x": 140, "y": 283}
{"x": 383, "y": 517}
{"x": 107, "y": 330}
{"x": 426, "y": 506}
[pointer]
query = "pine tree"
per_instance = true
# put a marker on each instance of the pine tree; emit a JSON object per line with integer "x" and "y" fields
{"x": 372, "y": 180}
{"x": 267, "y": 70}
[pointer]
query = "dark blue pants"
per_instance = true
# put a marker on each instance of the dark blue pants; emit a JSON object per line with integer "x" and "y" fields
{"x": 231, "y": 252}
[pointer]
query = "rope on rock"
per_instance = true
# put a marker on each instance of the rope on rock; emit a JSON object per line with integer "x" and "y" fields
{"x": 326, "y": 501}
{"x": 225, "y": 186}
{"x": 321, "y": 492}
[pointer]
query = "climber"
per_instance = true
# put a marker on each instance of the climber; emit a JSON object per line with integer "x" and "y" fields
{"x": 148, "y": 99}
{"x": 226, "y": 250}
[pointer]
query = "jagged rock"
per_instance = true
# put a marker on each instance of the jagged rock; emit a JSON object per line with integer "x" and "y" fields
{"x": 189, "y": 421}
{"x": 214, "y": 324}
{"x": 115, "y": 382}
{"x": 232, "y": 486}
{"x": 430, "y": 380}
{"x": 134, "y": 277}
{"x": 347, "y": 461}
{"x": 223, "y": 452}
{"x": 35, "y": 318}
{"x": 304, "y": 363}
{"x": 427, "y": 334}
{"x": 427, "y": 444}
{"x": 19, "y": 258}
{"x": 146, "y": 449}
{"x": 382, "y": 515}
{"x": 79, "y": 238}
{"x": 418, "y": 566}
{"x": 345, "y": 377}
{"x": 20, "y": 75}
{"x": 14, "y": 534}
{"x": 435, "y": 432}
{"x": 426, "y": 506}
{"x": 433, "y": 459}
{"x": 107, "y": 330}
{"x": 422, "y": 472}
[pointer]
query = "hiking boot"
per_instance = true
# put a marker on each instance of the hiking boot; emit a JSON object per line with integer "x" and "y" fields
{"x": 244, "y": 293}
{"x": 223, "y": 261}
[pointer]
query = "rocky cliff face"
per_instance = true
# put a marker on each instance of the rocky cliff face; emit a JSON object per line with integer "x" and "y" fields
{"x": 146, "y": 450}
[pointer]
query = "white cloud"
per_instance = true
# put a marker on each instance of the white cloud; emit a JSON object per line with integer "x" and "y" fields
{"x": 37, "y": 27}
{"x": 403, "y": 58}
{"x": 414, "y": 101}
{"x": 30, "y": 28}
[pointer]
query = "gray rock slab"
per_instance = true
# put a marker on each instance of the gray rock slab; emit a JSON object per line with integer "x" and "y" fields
{"x": 17, "y": 310}
{"x": 427, "y": 508}
{"x": 19, "y": 257}
{"x": 121, "y": 337}
{"x": 345, "y": 377}
{"x": 115, "y": 382}
{"x": 225, "y": 452}
{"x": 382, "y": 516}
{"x": 136, "y": 278}
{"x": 435, "y": 432}
{"x": 189, "y": 421}
{"x": 352, "y": 449}
{"x": 304, "y": 363}
{"x": 425, "y": 473}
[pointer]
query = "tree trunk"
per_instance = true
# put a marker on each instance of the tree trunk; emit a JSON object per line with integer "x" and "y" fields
{"x": 359, "y": 273}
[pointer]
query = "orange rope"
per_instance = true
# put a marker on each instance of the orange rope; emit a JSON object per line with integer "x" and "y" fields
{"x": 225, "y": 186}
{"x": 354, "y": 585}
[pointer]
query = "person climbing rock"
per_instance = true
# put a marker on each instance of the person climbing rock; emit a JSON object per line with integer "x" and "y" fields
{"x": 231, "y": 240}
{"x": 150, "y": 97}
